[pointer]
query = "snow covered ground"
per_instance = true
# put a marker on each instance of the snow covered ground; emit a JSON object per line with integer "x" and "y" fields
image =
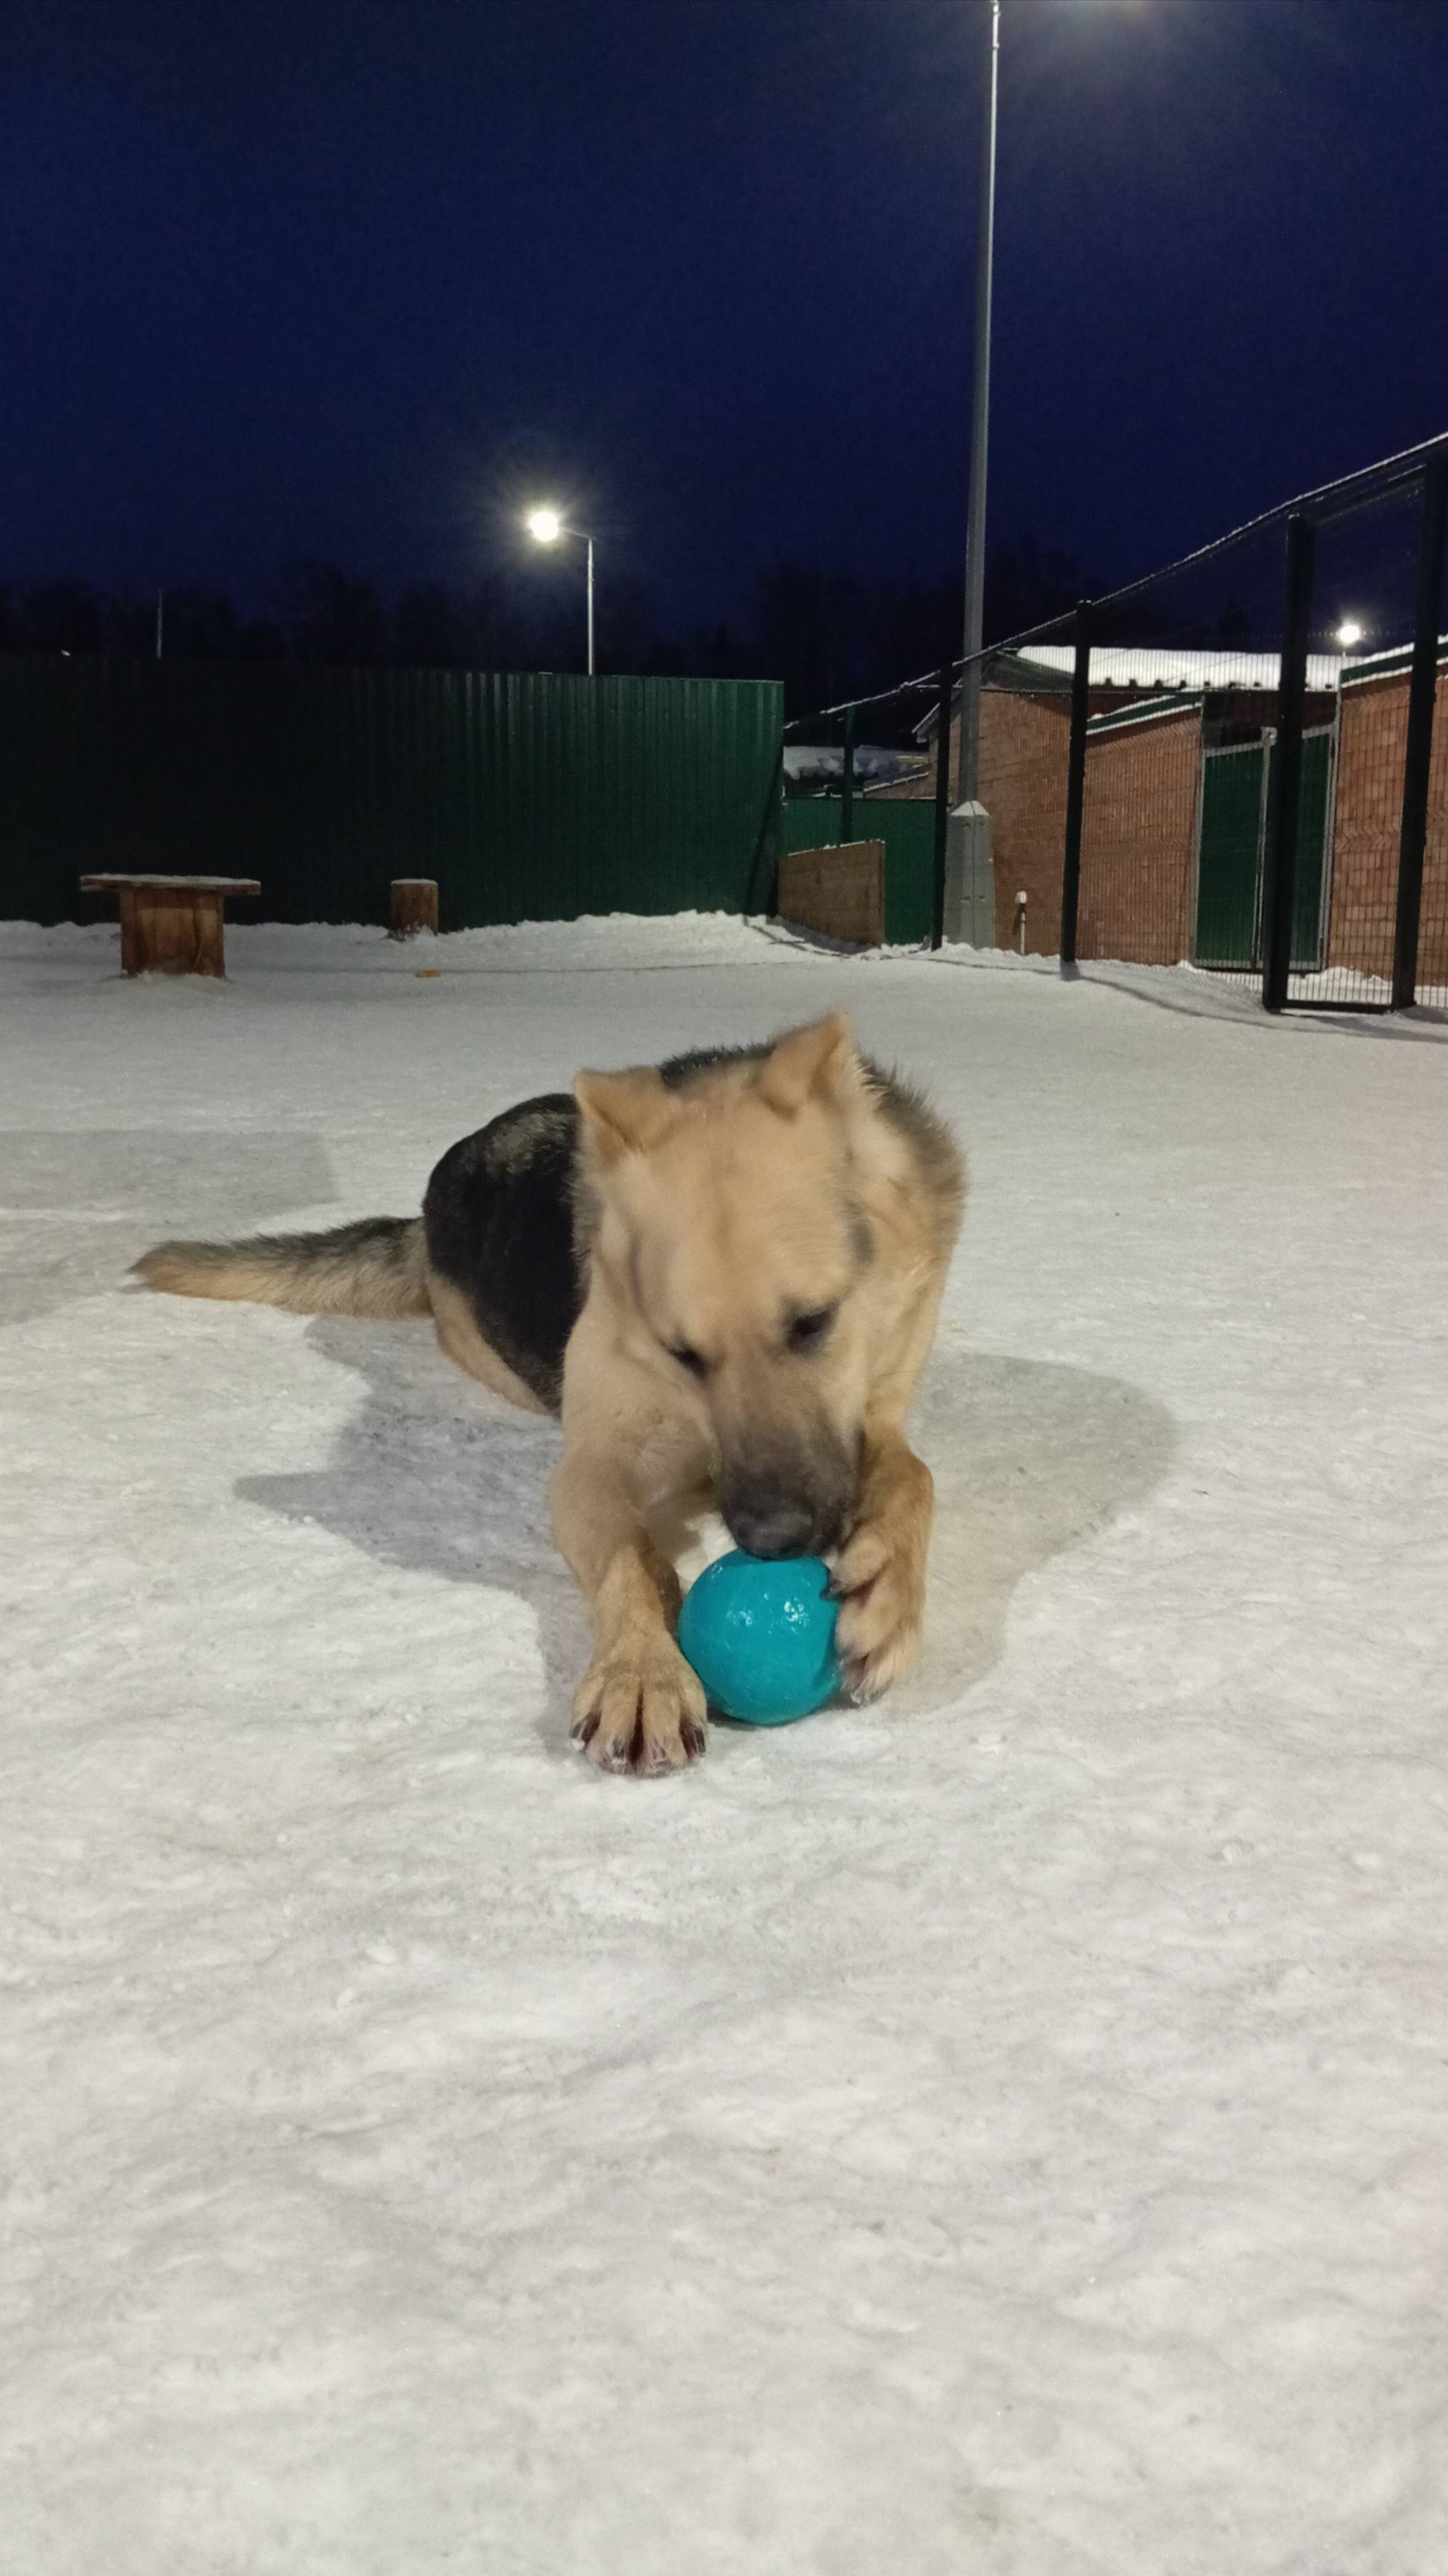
{"x": 1002, "y": 2131}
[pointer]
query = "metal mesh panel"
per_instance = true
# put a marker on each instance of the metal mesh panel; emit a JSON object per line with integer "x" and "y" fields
{"x": 1365, "y": 572}
{"x": 1181, "y": 723}
{"x": 1224, "y": 769}
{"x": 1432, "y": 977}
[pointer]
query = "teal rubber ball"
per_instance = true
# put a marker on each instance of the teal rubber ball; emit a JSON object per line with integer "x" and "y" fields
{"x": 760, "y": 1634}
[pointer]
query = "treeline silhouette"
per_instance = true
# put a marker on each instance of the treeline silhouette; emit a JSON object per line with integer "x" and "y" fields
{"x": 827, "y": 635}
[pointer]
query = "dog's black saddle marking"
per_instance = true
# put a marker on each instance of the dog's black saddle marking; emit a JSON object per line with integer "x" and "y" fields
{"x": 498, "y": 1218}
{"x": 501, "y": 1221}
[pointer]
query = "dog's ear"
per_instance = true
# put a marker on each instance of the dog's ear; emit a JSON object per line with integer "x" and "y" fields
{"x": 624, "y": 1113}
{"x": 821, "y": 1060}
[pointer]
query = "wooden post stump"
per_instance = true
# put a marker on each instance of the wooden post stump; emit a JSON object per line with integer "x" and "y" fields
{"x": 171, "y": 925}
{"x": 413, "y": 906}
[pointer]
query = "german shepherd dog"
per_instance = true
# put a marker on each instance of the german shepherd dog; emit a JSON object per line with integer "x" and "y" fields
{"x": 723, "y": 1273}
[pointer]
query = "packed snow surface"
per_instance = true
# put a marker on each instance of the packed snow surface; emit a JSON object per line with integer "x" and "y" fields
{"x": 1003, "y": 2132}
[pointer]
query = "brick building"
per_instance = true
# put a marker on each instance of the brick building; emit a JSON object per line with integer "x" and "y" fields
{"x": 1174, "y": 826}
{"x": 1177, "y": 795}
{"x": 1372, "y": 741}
{"x": 1025, "y": 740}
{"x": 1138, "y": 857}
{"x": 1139, "y": 833}
{"x": 1025, "y": 727}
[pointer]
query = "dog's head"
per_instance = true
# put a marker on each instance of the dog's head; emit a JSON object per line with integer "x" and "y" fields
{"x": 729, "y": 1225}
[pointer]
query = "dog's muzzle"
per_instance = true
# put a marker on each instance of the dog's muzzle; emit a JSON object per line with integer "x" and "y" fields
{"x": 795, "y": 1507}
{"x": 775, "y": 1525}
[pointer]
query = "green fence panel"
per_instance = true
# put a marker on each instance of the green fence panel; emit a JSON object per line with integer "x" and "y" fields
{"x": 1229, "y": 859}
{"x": 1314, "y": 815}
{"x": 907, "y": 828}
{"x": 1238, "y": 792}
{"x": 529, "y": 796}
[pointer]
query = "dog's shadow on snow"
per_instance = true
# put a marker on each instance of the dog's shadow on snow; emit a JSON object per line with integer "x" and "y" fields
{"x": 435, "y": 1474}
{"x": 1030, "y": 1459}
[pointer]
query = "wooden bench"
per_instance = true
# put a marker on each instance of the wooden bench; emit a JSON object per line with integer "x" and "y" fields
{"x": 171, "y": 925}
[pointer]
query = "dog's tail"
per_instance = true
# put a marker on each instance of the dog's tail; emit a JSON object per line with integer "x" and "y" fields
{"x": 377, "y": 1267}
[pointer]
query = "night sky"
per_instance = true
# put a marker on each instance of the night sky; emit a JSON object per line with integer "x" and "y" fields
{"x": 354, "y": 278}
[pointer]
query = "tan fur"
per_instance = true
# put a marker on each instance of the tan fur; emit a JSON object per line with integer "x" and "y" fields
{"x": 758, "y": 1190}
{"x": 377, "y": 1268}
{"x": 717, "y": 1208}
{"x": 458, "y": 1335}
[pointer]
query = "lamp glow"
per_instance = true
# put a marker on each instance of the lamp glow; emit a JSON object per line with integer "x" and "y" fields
{"x": 545, "y": 526}
{"x": 1349, "y": 633}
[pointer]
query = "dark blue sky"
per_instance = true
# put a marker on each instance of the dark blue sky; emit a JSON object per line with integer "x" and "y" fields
{"x": 350, "y": 276}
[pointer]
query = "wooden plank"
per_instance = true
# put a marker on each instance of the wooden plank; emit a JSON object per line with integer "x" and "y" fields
{"x": 839, "y": 892}
{"x": 171, "y": 925}
{"x": 189, "y": 885}
{"x": 173, "y": 932}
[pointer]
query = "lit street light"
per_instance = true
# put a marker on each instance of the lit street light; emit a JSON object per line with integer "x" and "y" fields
{"x": 1349, "y": 633}
{"x": 545, "y": 526}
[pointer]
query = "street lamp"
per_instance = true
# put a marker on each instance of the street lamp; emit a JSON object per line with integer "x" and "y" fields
{"x": 1349, "y": 633}
{"x": 545, "y": 527}
{"x": 967, "y": 773}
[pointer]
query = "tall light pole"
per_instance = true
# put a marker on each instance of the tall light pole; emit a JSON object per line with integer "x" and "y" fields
{"x": 968, "y": 767}
{"x": 545, "y": 527}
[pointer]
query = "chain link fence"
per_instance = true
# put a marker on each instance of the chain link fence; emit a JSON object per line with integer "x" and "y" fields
{"x": 1237, "y": 766}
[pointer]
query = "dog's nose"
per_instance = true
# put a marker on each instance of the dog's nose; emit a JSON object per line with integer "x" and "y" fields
{"x": 772, "y": 1525}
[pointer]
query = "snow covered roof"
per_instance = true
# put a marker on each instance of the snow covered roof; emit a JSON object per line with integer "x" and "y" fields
{"x": 827, "y": 760}
{"x": 1142, "y": 711}
{"x": 1157, "y": 667}
{"x": 1156, "y": 670}
{"x": 1386, "y": 666}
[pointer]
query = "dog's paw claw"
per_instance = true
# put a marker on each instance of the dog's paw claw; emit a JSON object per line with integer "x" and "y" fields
{"x": 640, "y": 1714}
{"x": 881, "y": 1593}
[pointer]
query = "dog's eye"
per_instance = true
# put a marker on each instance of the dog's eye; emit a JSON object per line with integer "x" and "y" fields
{"x": 692, "y": 1360}
{"x": 808, "y": 1331}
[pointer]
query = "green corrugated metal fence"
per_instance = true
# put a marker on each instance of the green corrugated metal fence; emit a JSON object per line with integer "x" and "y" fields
{"x": 907, "y": 829}
{"x": 529, "y": 796}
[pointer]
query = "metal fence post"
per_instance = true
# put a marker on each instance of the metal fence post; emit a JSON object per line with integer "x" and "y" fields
{"x": 942, "y": 804}
{"x": 847, "y": 779}
{"x": 1075, "y": 788}
{"x": 1417, "y": 759}
{"x": 1281, "y": 885}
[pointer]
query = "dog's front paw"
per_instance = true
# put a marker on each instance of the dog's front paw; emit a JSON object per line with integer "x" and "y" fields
{"x": 879, "y": 1582}
{"x": 640, "y": 1711}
